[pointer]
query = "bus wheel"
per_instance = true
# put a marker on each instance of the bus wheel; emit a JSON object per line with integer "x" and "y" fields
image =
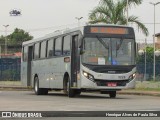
{"x": 70, "y": 92}
{"x": 65, "y": 89}
{"x": 78, "y": 92}
{"x": 37, "y": 90}
{"x": 112, "y": 94}
{"x": 45, "y": 91}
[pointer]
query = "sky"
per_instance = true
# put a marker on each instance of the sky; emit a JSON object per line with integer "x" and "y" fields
{"x": 41, "y": 17}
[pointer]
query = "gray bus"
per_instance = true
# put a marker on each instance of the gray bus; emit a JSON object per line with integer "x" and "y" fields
{"x": 94, "y": 57}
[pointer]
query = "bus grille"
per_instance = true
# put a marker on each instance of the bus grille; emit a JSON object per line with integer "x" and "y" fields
{"x": 105, "y": 82}
{"x": 113, "y": 71}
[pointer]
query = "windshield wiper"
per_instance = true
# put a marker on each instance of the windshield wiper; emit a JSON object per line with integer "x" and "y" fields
{"x": 121, "y": 41}
{"x": 102, "y": 42}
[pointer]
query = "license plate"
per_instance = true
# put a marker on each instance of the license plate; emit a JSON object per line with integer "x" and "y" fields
{"x": 111, "y": 84}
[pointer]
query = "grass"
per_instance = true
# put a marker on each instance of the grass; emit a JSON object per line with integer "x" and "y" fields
{"x": 148, "y": 89}
{"x": 140, "y": 86}
{"x": 8, "y": 83}
{"x": 148, "y": 86}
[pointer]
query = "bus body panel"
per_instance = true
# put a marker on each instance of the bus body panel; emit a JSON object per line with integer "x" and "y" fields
{"x": 50, "y": 72}
{"x": 24, "y": 74}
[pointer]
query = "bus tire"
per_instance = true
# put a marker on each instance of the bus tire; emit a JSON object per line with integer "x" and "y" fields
{"x": 45, "y": 91}
{"x": 65, "y": 89}
{"x": 71, "y": 92}
{"x": 112, "y": 94}
{"x": 78, "y": 92}
{"x": 37, "y": 90}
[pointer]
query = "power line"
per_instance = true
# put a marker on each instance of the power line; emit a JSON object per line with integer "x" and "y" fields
{"x": 56, "y": 27}
{"x": 43, "y": 29}
{"x": 151, "y": 23}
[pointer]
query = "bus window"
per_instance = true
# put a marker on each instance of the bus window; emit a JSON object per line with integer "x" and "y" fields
{"x": 25, "y": 53}
{"x": 58, "y": 47}
{"x": 50, "y": 48}
{"x": 66, "y": 45}
{"x": 43, "y": 49}
{"x": 36, "y": 50}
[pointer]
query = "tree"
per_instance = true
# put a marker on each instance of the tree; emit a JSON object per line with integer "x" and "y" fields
{"x": 149, "y": 56}
{"x": 2, "y": 40}
{"x": 149, "y": 62}
{"x": 14, "y": 40}
{"x": 18, "y": 36}
{"x": 2, "y": 43}
{"x": 111, "y": 12}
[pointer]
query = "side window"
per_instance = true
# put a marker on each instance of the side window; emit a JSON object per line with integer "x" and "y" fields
{"x": 25, "y": 53}
{"x": 43, "y": 49}
{"x": 66, "y": 45}
{"x": 58, "y": 47}
{"x": 50, "y": 48}
{"x": 36, "y": 50}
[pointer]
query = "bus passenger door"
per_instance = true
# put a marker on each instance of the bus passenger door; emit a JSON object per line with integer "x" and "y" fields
{"x": 74, "y": 61}
{"x": 30, "y": 51}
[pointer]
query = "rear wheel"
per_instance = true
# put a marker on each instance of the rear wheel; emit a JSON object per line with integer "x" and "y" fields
{"x": 78, "y": 92}
{"x": 37, "y": 90}
{"x": 112, "y": 94}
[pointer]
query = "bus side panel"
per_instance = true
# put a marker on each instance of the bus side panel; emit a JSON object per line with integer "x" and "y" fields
{"x": 53, "y": 67}
{"x": 39, "y": 68}
{"x": 24, "y": 73}
{"x": 50, "y": 72}
{"x": 57, "y": 71}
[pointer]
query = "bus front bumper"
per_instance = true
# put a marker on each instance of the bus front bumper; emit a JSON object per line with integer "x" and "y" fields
{"x": 88, "y": 84}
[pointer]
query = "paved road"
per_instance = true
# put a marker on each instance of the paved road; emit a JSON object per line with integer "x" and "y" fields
{"x": 27, "y": 101}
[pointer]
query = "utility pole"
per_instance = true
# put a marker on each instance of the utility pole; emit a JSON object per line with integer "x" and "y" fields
{"x": 78, "y": 18}
{"x": 127, "y": 12}
{"x": 154, "y": 46}
{"x": 145, "y": 61}
{"x": 5, "y": 38}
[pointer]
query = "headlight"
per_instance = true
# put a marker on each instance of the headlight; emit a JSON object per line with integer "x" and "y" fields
{"x": 85, "y": 74}
{"x": 131, "y": 77}
{"x": 88, "y": 76}
{"x": 134, "y": 75}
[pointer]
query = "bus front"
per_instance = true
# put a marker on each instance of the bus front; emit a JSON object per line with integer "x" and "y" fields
{"x": 108, "y": 59}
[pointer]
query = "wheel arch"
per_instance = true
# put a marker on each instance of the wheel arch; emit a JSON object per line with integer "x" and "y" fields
{"x": 66, "y": 75}
{"x": 65, "y": 78}
{"x": 36, "y": 75}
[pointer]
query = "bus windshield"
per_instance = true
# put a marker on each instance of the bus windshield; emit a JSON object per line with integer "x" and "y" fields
{"x": 108, "y": 51}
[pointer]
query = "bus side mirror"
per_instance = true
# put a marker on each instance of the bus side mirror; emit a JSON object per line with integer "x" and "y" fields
{"x": 80, "y": 51}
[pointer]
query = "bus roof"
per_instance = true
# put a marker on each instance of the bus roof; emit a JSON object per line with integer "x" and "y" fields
{"x": 54, "y": 34}
{"x": 61, "y": 32}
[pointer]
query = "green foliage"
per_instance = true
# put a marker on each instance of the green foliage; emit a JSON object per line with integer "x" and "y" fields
{"x": 111, "y": 12}
{"x": 2, "y": 40}
{"x": 149, "y": 56}
{"x": 149, "y": 64}
{"x": 19, "y": 36}
{"x": 16, "y": 38}
{"x": 2, "y": 43}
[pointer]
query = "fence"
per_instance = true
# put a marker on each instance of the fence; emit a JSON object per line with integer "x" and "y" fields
{"x": 149, "y": 71}
{"x": 10, "y": 69}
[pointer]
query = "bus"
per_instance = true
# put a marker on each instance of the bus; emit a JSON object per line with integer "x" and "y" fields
{"x": 89, "y": 58}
